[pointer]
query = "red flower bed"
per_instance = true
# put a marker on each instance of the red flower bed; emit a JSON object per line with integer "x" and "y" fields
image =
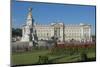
{"x": 72, "y": 47}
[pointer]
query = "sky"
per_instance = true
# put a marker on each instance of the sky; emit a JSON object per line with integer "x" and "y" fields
{"x": 46, "y": 13}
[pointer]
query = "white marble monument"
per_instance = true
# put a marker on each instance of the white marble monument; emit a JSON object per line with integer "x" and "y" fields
{"x": 28, "y": 30}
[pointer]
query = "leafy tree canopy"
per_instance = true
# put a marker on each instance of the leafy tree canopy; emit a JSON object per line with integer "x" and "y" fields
{"x": 16, "y": 32}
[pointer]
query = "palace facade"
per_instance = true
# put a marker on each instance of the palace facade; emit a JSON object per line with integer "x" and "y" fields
{"x": 59, "y": 30}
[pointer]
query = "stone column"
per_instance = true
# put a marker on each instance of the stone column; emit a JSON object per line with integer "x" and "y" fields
{"x": 82, "y": 31}
{"x": 90, "y": 33}
{"x": 63, "y": 32}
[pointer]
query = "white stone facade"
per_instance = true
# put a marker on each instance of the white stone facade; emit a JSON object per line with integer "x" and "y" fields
{"x": 64, "y": 32}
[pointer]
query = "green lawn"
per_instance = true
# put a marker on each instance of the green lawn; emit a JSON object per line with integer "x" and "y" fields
{"x": 74, "y": 58}
{"x": 33, "y": 56}
{"x": 27, "y": 57}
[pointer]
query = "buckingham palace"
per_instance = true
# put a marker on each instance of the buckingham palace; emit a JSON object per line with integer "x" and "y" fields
{"x": 60, "y": 30}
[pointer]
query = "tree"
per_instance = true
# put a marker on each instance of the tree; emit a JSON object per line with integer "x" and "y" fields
{"x": 16, "y": 32}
